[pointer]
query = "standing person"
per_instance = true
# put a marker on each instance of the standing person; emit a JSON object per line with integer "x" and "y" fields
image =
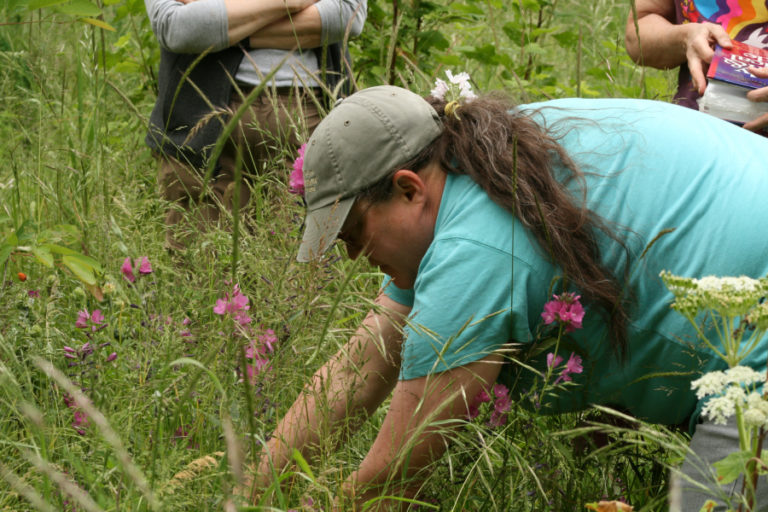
{"x": 671, "y": 33}
{"x": 213, "y": 52}
{"x": 474, "y": 210}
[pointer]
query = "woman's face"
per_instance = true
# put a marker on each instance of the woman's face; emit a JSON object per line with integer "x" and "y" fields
{"x": 394, "y": 234}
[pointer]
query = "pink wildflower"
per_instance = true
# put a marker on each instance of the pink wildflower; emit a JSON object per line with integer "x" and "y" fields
{"x": 33, "y": 294}
{"x": 565, "y": 309}
{"x": 80, "y": 419}
{"x": 482, "y": 396}
{"x": 501, "y": 405}
{"x": 268, "y": 340}
{"x": 82, "y": 319}
{"x": 127, "y": 270}
{"x": 573, "y": 365}
{"x": 145, "y": 267}
{"x": 253, "y": 370}
{"x": 242, "y": 318}
{"x": 497, "y": 419}
{"x": 111, "y": 357}
{"x": 237, "y": 302}
{"x": 296, "y": 181}
{"x": 553, "y": 361}
{"x": 500, "y": 390}
{"x": 97, "y": 317}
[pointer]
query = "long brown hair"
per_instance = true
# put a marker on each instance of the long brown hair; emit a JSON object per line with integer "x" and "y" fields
{"x": 514, "y": 160}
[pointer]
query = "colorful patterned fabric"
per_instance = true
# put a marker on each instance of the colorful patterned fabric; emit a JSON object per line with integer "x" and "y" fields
{"x": 744, "y": 20}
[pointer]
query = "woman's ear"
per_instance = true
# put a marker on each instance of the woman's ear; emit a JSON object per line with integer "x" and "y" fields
{"x": 408, "y": 184}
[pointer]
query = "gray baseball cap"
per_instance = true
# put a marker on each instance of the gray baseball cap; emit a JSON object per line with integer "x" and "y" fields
{"x": 362, "y": 140}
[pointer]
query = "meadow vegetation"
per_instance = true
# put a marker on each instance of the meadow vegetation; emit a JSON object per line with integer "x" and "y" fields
{"x": 122, "y": 363}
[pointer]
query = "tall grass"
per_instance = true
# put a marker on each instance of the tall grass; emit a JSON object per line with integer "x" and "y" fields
{"x": 77, "y": 174}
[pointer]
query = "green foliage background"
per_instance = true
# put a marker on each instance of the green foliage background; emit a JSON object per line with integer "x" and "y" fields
{"x": 77, "y": 196}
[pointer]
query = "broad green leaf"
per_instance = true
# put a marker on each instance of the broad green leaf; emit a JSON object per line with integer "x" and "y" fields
{"x": 87, "y": 261}
{"x": 43, "y": 255}
{"x": 531, "y": 5}
{"x": 82, "y": 271}
{"x": 450, "y": 60}
{"x": 5, "y": 252}
{"x": 59, "y": 249}
{"x": 732, "y": 466}
{"x": 462, "y": 8}
{"x": 79, "y": 8}
{"x": 98, "y": 23}
{"x": 12, "y": 240}
{"x": 39, "y": 4}
{"x": 66, "y": 251}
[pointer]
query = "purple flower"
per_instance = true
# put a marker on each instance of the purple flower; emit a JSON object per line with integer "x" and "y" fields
{"x": 296, "y": 181}
{"x": 565, "y": 309}
{"x": 82, "y": 319}
{"x": 111, "y": 357}
{"x": 127, "y": 270}
{"x": 553, "y": 360}
{"x": 33, "y": 294}
{"x": 234, "y": 304}
{"x": 268, "y": 340}
{"x": 145, "y": 267}
{"x": 501, "y": 406}
{"x": 97, "y": 317}
{"x": 482, "y": 396}
{"x": 573, "y": 365}
{"x": 80, "y": 419}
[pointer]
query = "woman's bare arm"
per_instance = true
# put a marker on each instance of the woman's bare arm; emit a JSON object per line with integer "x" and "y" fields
{"x": 409, "y": 439}
{"x": 356, "y": 380}
{"x": 659, "y": 42}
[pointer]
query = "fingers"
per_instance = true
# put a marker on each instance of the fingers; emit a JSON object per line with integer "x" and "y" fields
{"x": 699, "y": 44}
{"x": 760, "y": 94}
{"x": 757, "y": 125}
{"x": 718, "y": 34}
{"x": 759, "y": 72}
{"x": 696, "y": 67}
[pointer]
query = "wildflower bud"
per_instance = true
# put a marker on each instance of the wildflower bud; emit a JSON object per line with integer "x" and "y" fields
{"x": 112, "y": 357}
{"x": 22, "y": 276}
{"x": 79, "y": 292}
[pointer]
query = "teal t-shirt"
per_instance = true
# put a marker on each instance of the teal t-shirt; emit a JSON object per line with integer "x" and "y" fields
{"x": 484, "y": 280}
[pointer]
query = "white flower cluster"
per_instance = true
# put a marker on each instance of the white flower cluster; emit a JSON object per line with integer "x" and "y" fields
{"x": 715, "y": 383}
{"x": 719, "y": 284}
{"x": 730, "y": 386}
{"x": 456, "y": 88}
{"x": 730, "y": 296}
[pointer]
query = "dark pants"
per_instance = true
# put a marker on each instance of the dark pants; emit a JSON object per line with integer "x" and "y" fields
{"x": 274, "y": 125}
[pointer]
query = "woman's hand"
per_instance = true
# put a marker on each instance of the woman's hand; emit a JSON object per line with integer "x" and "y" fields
{"x": 656, "y": 40}
{"x": 699, "y": 44}
{"x": 761, "y": 94}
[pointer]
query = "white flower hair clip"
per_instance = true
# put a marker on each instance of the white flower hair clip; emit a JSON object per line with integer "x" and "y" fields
{"x": 454, "y": 92}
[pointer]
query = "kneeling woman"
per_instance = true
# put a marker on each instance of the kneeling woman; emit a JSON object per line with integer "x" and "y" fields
{"x": 478, "y": 212}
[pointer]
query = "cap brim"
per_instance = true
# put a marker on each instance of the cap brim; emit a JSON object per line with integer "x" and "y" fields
{"x": 321, "y": 228}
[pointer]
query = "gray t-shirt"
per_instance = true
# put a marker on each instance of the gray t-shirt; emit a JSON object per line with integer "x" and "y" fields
{"x": 202, "y": 24}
